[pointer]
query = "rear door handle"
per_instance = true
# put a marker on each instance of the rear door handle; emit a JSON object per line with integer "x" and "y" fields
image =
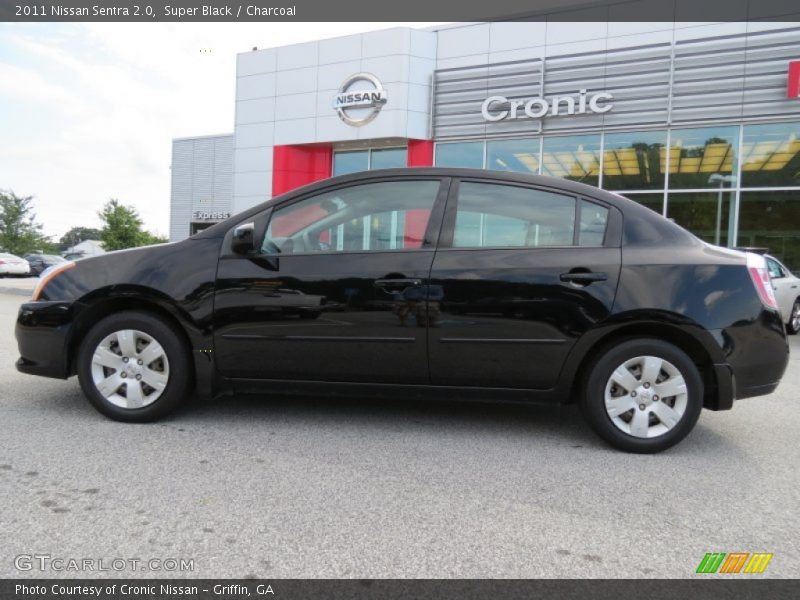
{"x": 398, "y": 282}
{"x": 583, "y": 278}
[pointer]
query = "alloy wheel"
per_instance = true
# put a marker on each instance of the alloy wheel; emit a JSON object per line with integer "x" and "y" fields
{"x": 130, "y": 368}
{"x": 646, "y": 396}
{"x": 795, "y": 318}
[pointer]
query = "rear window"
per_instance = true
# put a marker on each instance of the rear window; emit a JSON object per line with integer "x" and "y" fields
{"x": 492, "y": 215}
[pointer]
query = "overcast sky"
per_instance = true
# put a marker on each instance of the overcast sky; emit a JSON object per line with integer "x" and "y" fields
{"x": 88, "y": 111}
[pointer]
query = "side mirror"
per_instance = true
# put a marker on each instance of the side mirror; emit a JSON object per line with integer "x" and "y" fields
{"x": 242, "y": 242}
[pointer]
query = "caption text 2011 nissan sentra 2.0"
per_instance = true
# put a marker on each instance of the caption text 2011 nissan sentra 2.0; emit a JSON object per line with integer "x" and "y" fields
{"x": 454, "y": 282}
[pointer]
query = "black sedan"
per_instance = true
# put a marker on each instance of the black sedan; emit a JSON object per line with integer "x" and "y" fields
{"x": 466, "y": 283}
{"x": 41, "y": 262}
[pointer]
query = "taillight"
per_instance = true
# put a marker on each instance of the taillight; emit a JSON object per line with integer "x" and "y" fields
{"x": 757, "y": 267}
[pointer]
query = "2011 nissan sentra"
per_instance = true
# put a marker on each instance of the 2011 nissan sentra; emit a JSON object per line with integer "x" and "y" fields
{"x": 466, "y": 283}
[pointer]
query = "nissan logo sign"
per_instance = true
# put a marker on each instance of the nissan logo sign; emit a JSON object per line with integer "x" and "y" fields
{"x": 360, "y": 99}
{"x": 498, "y": 108}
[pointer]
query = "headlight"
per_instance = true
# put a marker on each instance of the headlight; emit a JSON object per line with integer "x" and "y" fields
{"x": 47, "y": 275}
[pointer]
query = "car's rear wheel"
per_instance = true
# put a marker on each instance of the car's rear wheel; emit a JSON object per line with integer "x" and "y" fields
{"x": 793, "y": 326}
{"x": 642, "y": 395}
{"x": 134, "y": 367}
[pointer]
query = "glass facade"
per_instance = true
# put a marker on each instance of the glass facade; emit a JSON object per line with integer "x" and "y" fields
{"x": 654, "y": 202}
{"x": 575, "y": 157}
{"x": 706, "y": 214}
{"x": 634, "y": 160}
{"x": 702, "y": 158}
{"x": 771, "y": 155}
{"x": 520, "y": 155}
{"x": 772, "y": 220}
{"x": 353, "y": 161}
{"x": 388, "y": 158}
{"x": 460, "y": 154}
{"x": 733, "y": 185}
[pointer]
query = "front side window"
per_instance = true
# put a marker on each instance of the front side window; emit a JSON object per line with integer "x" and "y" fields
{"x": 391, "y": 215}
{"x": 495, "y": 215}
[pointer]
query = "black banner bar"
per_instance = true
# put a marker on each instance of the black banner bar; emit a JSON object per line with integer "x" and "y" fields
{"x": 149, "y": 11}
{"x": 372, "y": 589}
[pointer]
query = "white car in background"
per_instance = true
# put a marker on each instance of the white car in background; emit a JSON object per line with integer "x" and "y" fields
{"x": 787, "y": 293}
{"x": 11, "y": 265}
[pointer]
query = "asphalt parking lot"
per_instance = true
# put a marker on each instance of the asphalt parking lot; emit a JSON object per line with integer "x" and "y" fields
{"x": 275, "y": 487}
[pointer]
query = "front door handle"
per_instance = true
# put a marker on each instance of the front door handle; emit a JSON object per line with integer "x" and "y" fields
{"x": 583, "y": 277}
{"x": 385, "y": 283}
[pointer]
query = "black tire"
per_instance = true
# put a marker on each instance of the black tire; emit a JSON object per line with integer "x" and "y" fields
{"x": 791, "y": 327}
{"x": 598, "y": 374}
{"x": 179, "y": 382}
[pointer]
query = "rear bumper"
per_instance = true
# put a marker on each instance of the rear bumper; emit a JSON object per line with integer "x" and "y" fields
{"x": 757, "y": 354}
{"x": 42, "y": 333}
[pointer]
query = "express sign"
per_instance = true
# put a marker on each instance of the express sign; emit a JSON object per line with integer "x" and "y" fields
{"x": 498, "y": 108}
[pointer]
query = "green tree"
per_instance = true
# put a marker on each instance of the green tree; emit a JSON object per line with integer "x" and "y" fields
{"x": 20, "y": 234}
{"x": 122, "y": 227}
{"x": 76, "y": 235}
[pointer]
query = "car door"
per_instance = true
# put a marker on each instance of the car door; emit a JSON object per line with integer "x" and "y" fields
{"x": 335, "y": 291}
{"x": 520, "y": 274}
{"x": 785, "y": 286}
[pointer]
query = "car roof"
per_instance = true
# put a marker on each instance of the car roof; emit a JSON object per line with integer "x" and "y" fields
{"x": 556, "y": 184}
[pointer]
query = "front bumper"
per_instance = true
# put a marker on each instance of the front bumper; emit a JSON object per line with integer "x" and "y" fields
{"x": 42, "y": 333}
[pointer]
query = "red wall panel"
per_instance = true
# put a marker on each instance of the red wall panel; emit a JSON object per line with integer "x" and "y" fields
{"x": 420, "y": 153}
{"x": 296, "y": 166}
{"x": 793, "y": 89}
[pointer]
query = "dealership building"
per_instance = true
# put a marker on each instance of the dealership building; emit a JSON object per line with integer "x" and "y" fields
{"x": 698, "y": 121}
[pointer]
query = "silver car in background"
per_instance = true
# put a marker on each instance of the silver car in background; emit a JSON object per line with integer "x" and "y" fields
{"x": 13, "y": 266}
{"x": 787, "y": 293}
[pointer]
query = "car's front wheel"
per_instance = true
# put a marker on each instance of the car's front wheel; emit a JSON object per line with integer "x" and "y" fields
{"x": 642, "y": 395}
{"x": 134, "y": 367}
{"x": 793, "y": 326}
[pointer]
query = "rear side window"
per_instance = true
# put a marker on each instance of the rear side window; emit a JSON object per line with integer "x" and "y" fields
{"x": 593, "y": 222}
{"x": 492, "y": 215}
